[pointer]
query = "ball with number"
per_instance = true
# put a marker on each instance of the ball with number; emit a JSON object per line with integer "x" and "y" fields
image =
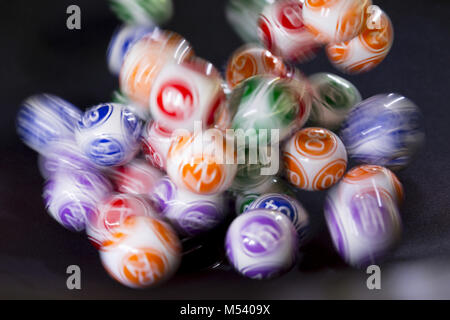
{"x": 314, "y": 159}
{"x": 282, "y": 31}
{"x": 368, "y": 49}
{"x": 142, "y": 252}
{"x": 385, "y": 130}
{"x": 156, "y": 142}
{"x": 109, "y": 134}
{"x": 335, "y": 20}
{"x": 261, "y": 244}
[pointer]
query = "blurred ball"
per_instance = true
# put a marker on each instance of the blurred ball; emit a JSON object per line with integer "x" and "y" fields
{"x": 156, "y": 142}
{"x": 145, "y": 59}
{"x": 335, "y": 20}
{"x": 314, "y": 159}
{"x": 266, "y": 102}
{"x": 364, "y": 227}
{"x": 332, "y": 100}
{"x": 186, "y": 92}
{"x": 250, "y": 60}
{"x": 282, "y": 31}
{"x": 143, "y": 12}
{"x": 118, "y": 97}
{"x": 136, "y": 177}
{"x": 261, "y": 244}
{"x": 71, "y": 197}
{"x": 142, "y": 252}
{"x": 368, "y": 49}
{"x": 44, "y": 119}
{"x": 242, "y": 15}
{"x": 201, "y": 162}
{"x": 288, "y": 206}
{"x": 108, "y": 134}
{"x": 122, "y": 40}
{"x": 111, "y": 214}
{"x": 385, "y": 130}
{"x": 189, "y": 213}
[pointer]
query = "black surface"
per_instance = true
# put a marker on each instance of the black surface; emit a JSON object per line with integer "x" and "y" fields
{"x": 39, "y": 54}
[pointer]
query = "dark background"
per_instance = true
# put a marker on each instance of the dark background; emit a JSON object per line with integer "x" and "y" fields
{"x": 39, "y": 54}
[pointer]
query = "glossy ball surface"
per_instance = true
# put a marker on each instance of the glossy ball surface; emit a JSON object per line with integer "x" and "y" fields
{"x": 111, "y": 214}
{"x": 143, "y": 252}
{"x": 189, "y": 213}
{"x": 156, "y": 141}
{"x": 332, "y": 100}
{"x": 368, "y": 49}
{"x": 385, "y": 130}
{"x": 282, "y": 31}
{"x": 142, "y": 12}
{"x": 71, "y": 197}
{"x": 44, "y": 119}
{"x": 314, "y": 159}
{"x": 261, "y": 244}
{"x": 335, "y": 20}
{"x": 363, "y": 226}
{"x": 108, "y": 134}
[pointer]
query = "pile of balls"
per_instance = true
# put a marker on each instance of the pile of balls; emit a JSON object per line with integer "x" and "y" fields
{"x": 130, "y": 174}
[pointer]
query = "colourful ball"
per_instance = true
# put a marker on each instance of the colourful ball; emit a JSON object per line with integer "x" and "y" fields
{"x": 335, "y": 20}
{"x": 288, "y": 206}
{"x": 71, "y": 197}
{"x": 108, "y": 134}
{"x": 282, "y": 30}
{"x": 201, "y": 162}
{"x": 156, "y": 142}
{"x": 314, "y": 159}
{"x": 385, "y": 130}
{"x": 122, "y": 40}
{"x": 186, "y": 92}
{"x": 332, "y": 100}
{"x": 145, "y": 59}
{"x": 368, "y": 49}
{"x": 266, "y": 103}
{"x": 143, "y": 12}
{"x": 250, "y": 60}
{"x": 111, "y": 214}
{"x": 142, "y": 252}
{"x": 261, "y": 244}
{"x": 44, "y": 119}
{"x": 189, "y": 213}
{"x": 364, "y": 225}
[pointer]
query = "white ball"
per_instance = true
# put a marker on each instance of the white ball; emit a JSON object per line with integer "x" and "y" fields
{"x": 108, "y": 134}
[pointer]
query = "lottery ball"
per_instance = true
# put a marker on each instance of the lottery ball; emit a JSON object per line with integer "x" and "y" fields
{"x": 122, "y": 39}
{"x": 314, "y": 159}
{"x": 201, "y": 162}
{"x": 186, "y": 92}
{"x": 335, "y": 20}
{"x": 156, "y": 142}
{"x": 63, "y": 154}
{"x": 288, "y": 206}
{"x": 108, "y": 134}
{"x": 385, "y": 130}
{"x": 261, "y": 244}
{"x": 332, "y": 99}
{"x": 251, "y": 60}
{"x": 112, "y": 212}
{"x": 136, "y": 177}
{"x": 189, "y": 213}
{"x": 142, "y": 12}
{"x": 266, "y": 103}
{"x": 44, "y": 119}
{"x": 370, "y": 176}
{"x": 71, "y": 197}
{"x": 142, "y": 252}
{"x": 242, "y": 15}
{"x": 368, "y": 49}
{"x": 364, "y": 228}
{"x": 282, "y": 31}
{"x": 145, "y": 59}
{"x": 119, "y": 97}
